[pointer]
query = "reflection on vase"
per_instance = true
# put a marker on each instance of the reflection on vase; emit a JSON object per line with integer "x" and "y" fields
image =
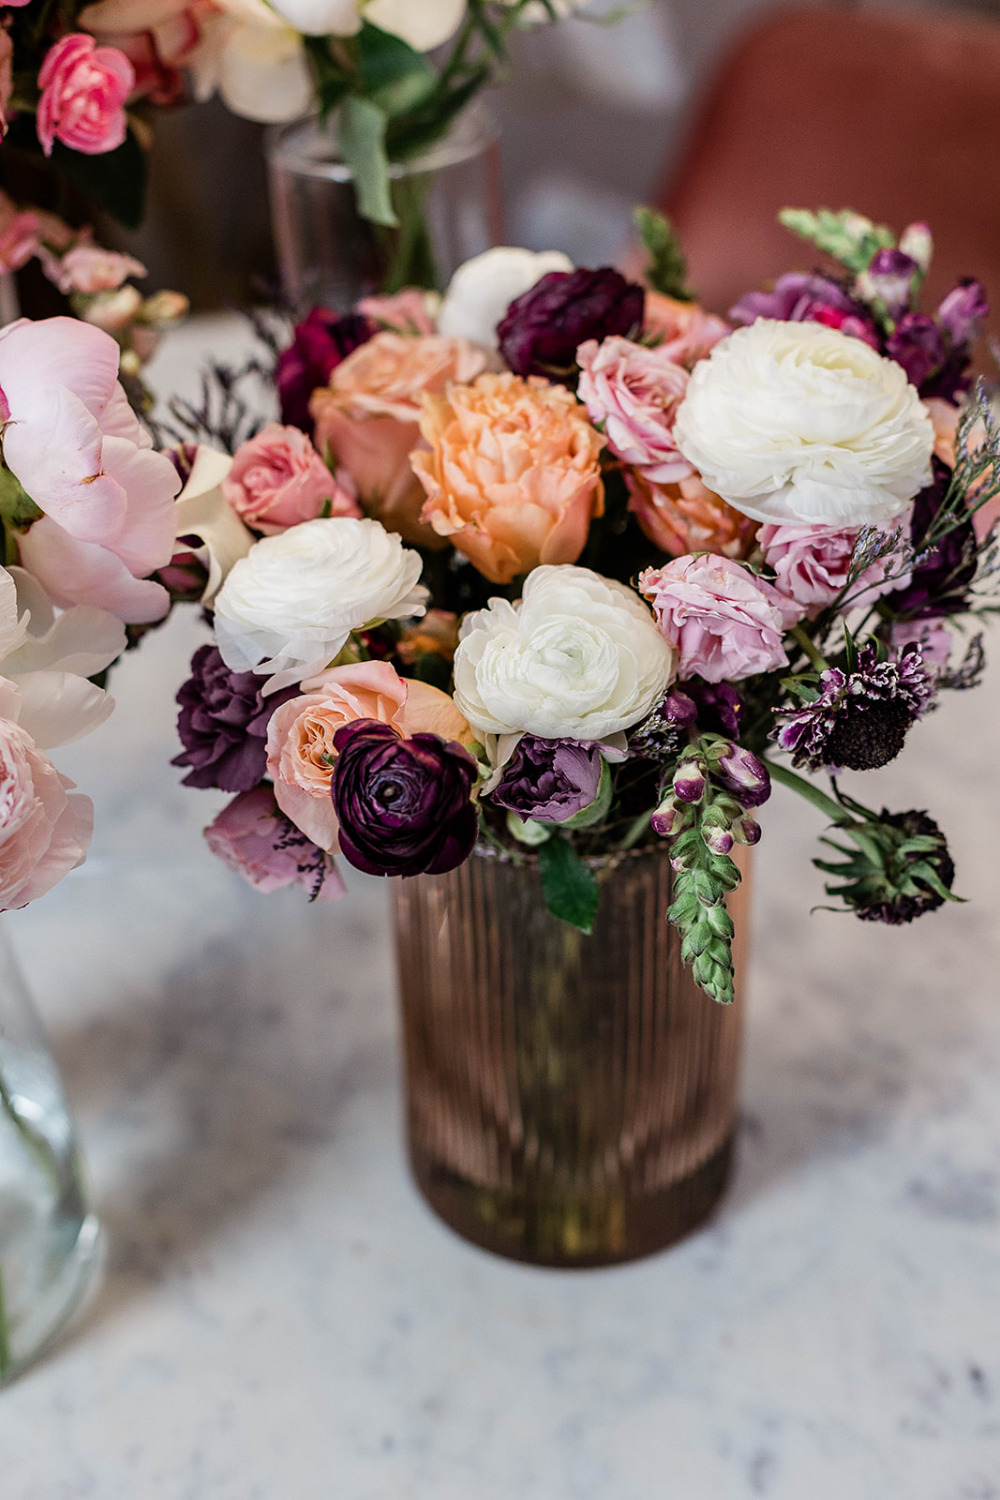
{"x": 447, "y": 200}
{"x": 49, "y": 1238}
{"x": 571, "y": 1099}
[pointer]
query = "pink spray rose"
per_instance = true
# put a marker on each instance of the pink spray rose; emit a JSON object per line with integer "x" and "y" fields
{"x": 811, "y": 565}
{"x": 408, "y": 311}
{"x": 279, "y": 480}
{"x": 635, "y": 392}
{"x": 686, "y": 332}
{"x": 724, "y": 622}
{"x": 84, "y": 89}
{"x": 44, "y": 833}
{"x": 89, "y": 268}
{"x": 253, "y": 837}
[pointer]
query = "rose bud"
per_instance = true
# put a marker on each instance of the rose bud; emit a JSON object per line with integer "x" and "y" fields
{"x": 746, "y": 776}
{"x": 689, "y": 781}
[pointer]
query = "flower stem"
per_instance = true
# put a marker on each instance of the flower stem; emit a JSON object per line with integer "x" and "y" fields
{"x": 806, "y": 789}
{"x": 33, "y": 1140}
{"x": 818, "y": 661}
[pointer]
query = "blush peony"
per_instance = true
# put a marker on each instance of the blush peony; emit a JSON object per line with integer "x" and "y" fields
{"x": 513, "y": 473}
{"x": 44, "y": 832}
{"x": 798, "y": 422}
{"x": 279, "y": 480}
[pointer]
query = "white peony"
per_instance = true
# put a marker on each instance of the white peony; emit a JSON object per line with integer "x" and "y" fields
{"x": 289, "y": 606}
{"x": 578, "y": 657}
{"x": 481, "y": 290}
{"x": 798, "y": 422}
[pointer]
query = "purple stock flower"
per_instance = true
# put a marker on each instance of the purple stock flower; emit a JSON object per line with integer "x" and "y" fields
{"x": 940, "y": 578}
{"x": 403, "y": 805}
{"x": 917, "y": 344}
{"x": 550, "y": 780}
{"x": 320, "y": 342}
{"x": 223, "y": 724}
{"x": 542, "y": 329}
{"x": 860, "y": 719}
{"x": 801, "y": 297}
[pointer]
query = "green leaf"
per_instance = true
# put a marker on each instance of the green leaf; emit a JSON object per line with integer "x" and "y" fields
{"x": 393, "y": 75}
{"x": 667, "y": 269}
{"x": 848, "y": 237}
{"x": 570, "y": 887}
{"x": 362, "y": 142}
{"x": 528, "y": 830}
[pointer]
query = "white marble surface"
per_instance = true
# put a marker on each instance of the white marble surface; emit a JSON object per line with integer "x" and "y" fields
{"x": 282, "y": 1319}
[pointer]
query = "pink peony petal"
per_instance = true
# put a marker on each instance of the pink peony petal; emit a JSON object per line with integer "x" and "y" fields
{"x": 75, "y": 572}
{"x": 146, "y": 540}
{"x": 55, "y": 450}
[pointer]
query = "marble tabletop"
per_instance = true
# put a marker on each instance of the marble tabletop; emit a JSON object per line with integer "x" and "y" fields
{"x": 281, "y": 1318}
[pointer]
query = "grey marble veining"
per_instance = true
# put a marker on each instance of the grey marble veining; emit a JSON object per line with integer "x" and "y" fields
{"x": 281, "y": 1317}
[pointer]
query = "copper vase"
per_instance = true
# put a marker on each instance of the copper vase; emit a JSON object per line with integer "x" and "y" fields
{"x": 570, "y": 1099}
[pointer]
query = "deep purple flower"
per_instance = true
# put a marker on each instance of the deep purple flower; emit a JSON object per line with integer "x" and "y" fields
{"x": 899, "y": 869}
{"x": 745, "y": 775}
{"x": 800, "y": 297}
{"x": 320, "y": 342}
{"x": 403, "y": 805}
{"x": 720, "y": 708}
{"x": 665, "y": 731}
{"x": 963, "y": 311}
{"x": 223, "y": 724}
{"x": 889, "y": 277}
{"x": 542, "y": 329}
{"x": 940, "y": 579}
{"x": 917, "y": 344}
{"x": 860, "y": 719}
{"x": 550, "y": 780}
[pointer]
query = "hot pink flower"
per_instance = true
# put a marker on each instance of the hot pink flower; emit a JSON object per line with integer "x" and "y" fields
{"x": 84, "y": 89}
{"x": 725, "y": 623}
{"x": 253, "y": 837}
{"x": 279, "y": 480}
{"x": 44, "y": 833}
{"x": 634, "y": 392}
{"x": 685, "y": 330}
{"x": 812, "y": 563}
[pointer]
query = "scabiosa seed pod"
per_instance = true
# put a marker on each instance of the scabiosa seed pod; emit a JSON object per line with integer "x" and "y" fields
{"x": 899, "y": 869}
{"x": 542, "y": 329}
{"x": 860, "y": 719}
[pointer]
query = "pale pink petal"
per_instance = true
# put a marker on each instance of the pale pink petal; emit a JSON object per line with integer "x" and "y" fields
{"x": 60, "y": 707}
{"x": 119, "y": 420}
{"x": 314, "y": 815}
{"x": 146, "y": 540}
{"x": 34, "y": 357}
{"x": 70, "y": 841}
{"x": 75, "y": 572}
{"x": 56, "y": 453}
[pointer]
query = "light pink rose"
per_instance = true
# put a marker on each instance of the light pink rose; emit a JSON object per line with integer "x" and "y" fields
{"x": 686, "y": 332}
{"x": 252, "y": 837}
{"x": 811, "y": 565}
{"x": 89, "y": 268}
{"x": 44, "y": 833}
{"x": 724, "y": 622}
{"x": 632, "y": 395}
{"x": 19, "y": 234}
{"x": 408, "y": 311}
{"x": 279, "y": 480}
{"x": 84, "y": 89}
{"x": 82, "y": 456}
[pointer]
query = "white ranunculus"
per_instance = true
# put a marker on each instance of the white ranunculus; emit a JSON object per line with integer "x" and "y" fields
{"x": 578, "y": 657}
{"x": 321, "y": 17}
{"x": 289, "y": 606}
{"x": 799, "y": 422}
{"x": 481, "y": 290}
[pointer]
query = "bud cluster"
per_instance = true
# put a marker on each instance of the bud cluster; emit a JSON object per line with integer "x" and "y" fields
{"x": 715, "y": 785}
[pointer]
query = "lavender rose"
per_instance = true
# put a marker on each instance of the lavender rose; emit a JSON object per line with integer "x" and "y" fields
{"x": 549, "y": 780}
{"x": 543, "y": 328}
{"x": 403, "y": 805}
{"x": 321, "y": 341}
{"x": 223, "y": 724}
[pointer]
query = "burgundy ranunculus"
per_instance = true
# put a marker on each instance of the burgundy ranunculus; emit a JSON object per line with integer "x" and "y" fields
{"x": 403, "y": 805}
{"x": 321, "y": 341}
{"x": 542, "y": 329}
{"x": 550, "y": 780}
{"x": 800, "y": 297}
{"x": 939, "y": 583}
{"x": 918, "y": 345}
{"x": 223, "y": 724}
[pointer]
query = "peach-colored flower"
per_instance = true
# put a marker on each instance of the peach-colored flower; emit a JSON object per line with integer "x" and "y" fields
{"x": 686, "y": 332}
{"x": 409, "y": 311}
{"x": 689, "y": 517}
{"x": 368, "y": 419}
{"x": 513, "y": 475}
{"x": 435, "y": 635}
{"x": 279, "y": 480}
{"x": 300, "y": 749}
{"x": 945, "y": 418}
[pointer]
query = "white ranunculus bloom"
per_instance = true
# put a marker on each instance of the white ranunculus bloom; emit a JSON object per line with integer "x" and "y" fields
{"x": 578, "y": 657}
{"x": 481, "y": 290}
{"x": 799, "y": 422}
{"x": 289, "y": 606}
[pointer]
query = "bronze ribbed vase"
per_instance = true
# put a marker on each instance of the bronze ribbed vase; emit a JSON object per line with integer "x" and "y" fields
{"x": 570, "y": 1099}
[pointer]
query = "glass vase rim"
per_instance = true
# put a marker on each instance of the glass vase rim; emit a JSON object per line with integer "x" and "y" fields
{"x": 287, "y": 146}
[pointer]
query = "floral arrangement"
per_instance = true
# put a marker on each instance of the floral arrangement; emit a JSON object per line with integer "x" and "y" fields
{"x": 566, "y": 565}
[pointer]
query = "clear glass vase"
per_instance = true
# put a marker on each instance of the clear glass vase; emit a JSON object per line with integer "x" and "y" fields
{"x": 570, "y": 1099}
{"x": 49, "y": 1236}
{"x": 447, "y": 199}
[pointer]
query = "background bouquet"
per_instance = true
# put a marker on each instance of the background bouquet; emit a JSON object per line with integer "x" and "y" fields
{"x": 562, "y": 563}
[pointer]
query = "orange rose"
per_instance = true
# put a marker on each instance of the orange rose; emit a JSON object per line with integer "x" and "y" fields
{"x": 685, "y": 331}
{"x": 368, "y": 419}
{"x": 513, "y": 477}
{"x": 689, "y": 517}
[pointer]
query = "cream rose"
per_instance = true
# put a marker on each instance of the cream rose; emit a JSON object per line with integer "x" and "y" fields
{"x": 799, "y": 422}
{"x": 578, "y": 657}
{"x": 289, "y": 606}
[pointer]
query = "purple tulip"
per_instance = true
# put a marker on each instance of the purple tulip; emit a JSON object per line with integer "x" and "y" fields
{"x": 403, "y": 805}
{"x": 320, "y": 342}
{"x": 542, "y": 329}
{"x": 223, "y": 724}
{"x": 918, "y": 345}
{"x": 550, "y": 780}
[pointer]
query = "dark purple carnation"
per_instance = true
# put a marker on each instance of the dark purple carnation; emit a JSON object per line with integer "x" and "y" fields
{"x": 940, "y": 579}
{"x": 542, "y": 329}
{"x": 550, "y": 780}
{"x": 403, "y": 805}
{"x": 320, "y": 342}
{"x": 800, "y": 297}
{"x": 917, "y": 344}
{"x": 223, "y": 724}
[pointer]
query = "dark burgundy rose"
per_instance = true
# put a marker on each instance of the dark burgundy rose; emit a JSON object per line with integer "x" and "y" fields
{"x": 917, "y": 344}
{"x": 223, "y": 724}
{"x": 403, "y": 806}
{"x": 321, "y": 341}
{"x": 542, "y": 329}
{"x": 939, "y": 584}
{"x": 720, "y": 707}
{"x": 550, "y": 780}
{"x": 798, "y": 297}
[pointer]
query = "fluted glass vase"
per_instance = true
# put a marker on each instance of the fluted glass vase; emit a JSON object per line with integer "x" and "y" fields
{"x": 49, "y": 1236}
{"x": 570, "y": 1099}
